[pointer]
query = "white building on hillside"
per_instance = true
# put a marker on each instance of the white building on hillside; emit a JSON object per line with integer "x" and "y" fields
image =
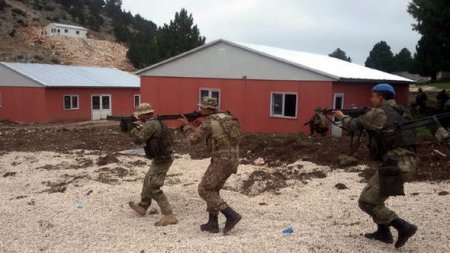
{"x": 55, "y": 29}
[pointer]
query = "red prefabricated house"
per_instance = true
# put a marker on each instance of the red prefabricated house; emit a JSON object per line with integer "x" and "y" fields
{"x": 268, "y": 89}
{"x": 53, "y": 93}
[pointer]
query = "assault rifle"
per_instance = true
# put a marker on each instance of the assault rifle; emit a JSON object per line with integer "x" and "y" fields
{"x": 126, "y": 122}
{"x": 354, "y": 113}
{"x": 442, "y": 119}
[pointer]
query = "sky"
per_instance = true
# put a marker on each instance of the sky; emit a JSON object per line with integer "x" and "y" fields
{"x": 316, "y": 26}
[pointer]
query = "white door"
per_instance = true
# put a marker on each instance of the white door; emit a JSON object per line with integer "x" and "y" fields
{"x": 101, "y": 106}
{"x": 338, "y": 103}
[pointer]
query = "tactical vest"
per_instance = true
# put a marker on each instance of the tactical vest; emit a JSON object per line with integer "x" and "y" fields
{"x": 226, "y": 133}
{"x": 389, "y": 137}
{"x": 159, "y": 147}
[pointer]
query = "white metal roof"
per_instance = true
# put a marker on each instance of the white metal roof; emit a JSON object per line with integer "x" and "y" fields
{"x": 74, "y": 76}
{"x": 325, "y": 64}
{"x": 68, "y": 26}
{"x": 321, "y": 64}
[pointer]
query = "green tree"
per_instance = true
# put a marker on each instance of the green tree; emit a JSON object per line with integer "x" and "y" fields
{"x": 179, "y": 36}
{"x": 3, "y": 4}
{"x": 113, "y": 8}
{"x": 340, "y": 54}
{"x": 403, "y": 60}
{"x": 381, "y": 57}
{"x": 433, "y": 23}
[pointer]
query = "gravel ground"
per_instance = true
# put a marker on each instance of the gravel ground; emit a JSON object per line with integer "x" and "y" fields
{"x": 67, "y": 202}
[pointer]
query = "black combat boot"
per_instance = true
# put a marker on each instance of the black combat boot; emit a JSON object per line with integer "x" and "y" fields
{"x": 405, "y": 231}
{"x": 233, "y": 218}
{"x": 213, "y": 225}
{"x": 383, "y": 234}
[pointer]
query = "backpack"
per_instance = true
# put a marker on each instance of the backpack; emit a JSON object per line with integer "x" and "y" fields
{"x": 320, "y": 122}
{"x": 232, "y": 128}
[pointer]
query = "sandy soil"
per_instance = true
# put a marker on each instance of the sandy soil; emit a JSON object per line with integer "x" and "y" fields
{"x": 76, "y": 201}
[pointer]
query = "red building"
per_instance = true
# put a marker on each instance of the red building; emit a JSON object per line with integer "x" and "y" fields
{"x": 52, "y": 93}
{"x": 268, "y": 89}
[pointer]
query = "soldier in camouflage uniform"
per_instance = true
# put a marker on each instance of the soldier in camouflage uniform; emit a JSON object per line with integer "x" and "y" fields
{"x": 396, "y": 152}
{"x": 224, "y": 149}
{"x": 158, "y": 146}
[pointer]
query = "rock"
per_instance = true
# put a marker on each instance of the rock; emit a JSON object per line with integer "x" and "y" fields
{"x": 443, "y": 193}
{"x": 9, "y": 174}
{"x": 259, "y": 161}
{"x": 340, "y": 186}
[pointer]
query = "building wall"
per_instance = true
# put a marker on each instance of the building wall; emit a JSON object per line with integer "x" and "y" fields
{"x": 29, "y": 105}
{"x": 60, "y": 30}
{"x": 227, "y": 61}
{"x": 122, "y": 102}
{"x": 22, "y": 104}
{"x": 249, "y": 100}
{"x": 10, "y": 77}
{"x": 360, "y": 93}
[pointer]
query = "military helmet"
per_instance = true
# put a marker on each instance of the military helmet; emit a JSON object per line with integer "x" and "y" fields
{"x": 384, "y": 87}
{"x": 208, "y": 102}
{"x": 143, "y": 108}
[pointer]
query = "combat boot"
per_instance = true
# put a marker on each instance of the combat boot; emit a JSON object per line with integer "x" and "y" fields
{"x": 405, "y": 231}
{"x": 233, "y": 218}
{"x": 167, "y": 220}
{"x": 213, "y": 224}
{"x": 383, "y": 234}
{"x": 140, "y": 208}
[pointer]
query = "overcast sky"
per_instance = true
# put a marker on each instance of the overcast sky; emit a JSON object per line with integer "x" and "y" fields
{"x": 317, "y": 26}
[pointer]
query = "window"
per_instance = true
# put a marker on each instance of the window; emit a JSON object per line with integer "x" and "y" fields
{"x": 283, "y": 105}
{"x": 77, "y": 32}
{"x": 66, "y": 31}
{"x": 0, "y": 99}
{"x": 70, "y": 102}
{"x": 137, "y": 100}
{"x": 210, "y": 93}
{"x": 58, "y": 30}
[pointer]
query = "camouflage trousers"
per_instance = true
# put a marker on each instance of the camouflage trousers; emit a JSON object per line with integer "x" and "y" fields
{"x": 153, "y": 181}
{"x": 372, "y": 202}
{"x": 213, "y": 180}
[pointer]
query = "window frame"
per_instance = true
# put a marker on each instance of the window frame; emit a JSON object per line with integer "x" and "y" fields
{"x": 71, "y": 102}
{"x": 210, "y": 90}
{"x": 134, "y": 100}
{"x": 282, "y": 115}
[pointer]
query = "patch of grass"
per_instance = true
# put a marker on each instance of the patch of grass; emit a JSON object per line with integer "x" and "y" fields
{"x": 438, "y": 85}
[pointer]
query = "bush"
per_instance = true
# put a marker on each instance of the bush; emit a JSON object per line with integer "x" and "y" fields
{"x": 19, "y": 12}
{"x": 38, "y": 58}
{"x": 3, "y": 4}
{"x": 55, "y": 60}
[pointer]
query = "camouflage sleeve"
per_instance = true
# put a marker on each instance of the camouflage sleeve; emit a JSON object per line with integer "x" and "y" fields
{"x": 372, "y": 120}
{"x": 201, "y": 133}
{"x": 140, "y": 135}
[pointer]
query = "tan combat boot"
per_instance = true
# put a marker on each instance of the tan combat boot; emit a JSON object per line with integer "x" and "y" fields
{"x": 167, "y": 220}
{"x": 140, "y": 208}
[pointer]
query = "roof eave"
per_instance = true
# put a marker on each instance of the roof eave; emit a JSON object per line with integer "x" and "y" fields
{"x": 408, "y": 81}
